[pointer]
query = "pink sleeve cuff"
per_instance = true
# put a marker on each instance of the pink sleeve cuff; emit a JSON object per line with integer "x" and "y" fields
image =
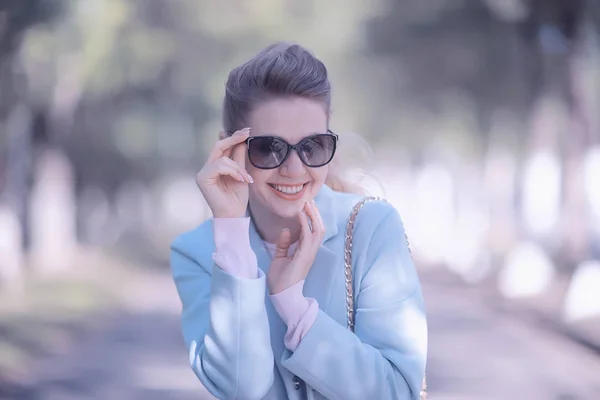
{"x": 297, "y": 312}
{"x": 233, "y": 253}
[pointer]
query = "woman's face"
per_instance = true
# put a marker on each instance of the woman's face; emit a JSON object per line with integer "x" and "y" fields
{"x": 284, "y": 190}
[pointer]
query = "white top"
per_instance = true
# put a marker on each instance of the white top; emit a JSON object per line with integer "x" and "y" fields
{"x": 271, "y": 247}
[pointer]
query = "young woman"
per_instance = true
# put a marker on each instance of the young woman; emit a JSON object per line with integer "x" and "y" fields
{"x": 263, "y": 282}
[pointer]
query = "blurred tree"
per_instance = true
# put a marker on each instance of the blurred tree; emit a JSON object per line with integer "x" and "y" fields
{"x": 158, "y": 68}
{"x": 17, "y": 112}
{"x": 496, "y": 55}
{"x": 132, "y": 89}
{"x": 560, "y": 31}
{"x": 454, "y": 49}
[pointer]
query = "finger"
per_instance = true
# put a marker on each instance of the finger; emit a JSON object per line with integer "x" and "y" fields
{"x": 305, "y": 232}
{"x": 283, "y": 244}
{"x": 240, "y": 145}
{"x": 223, "y": 147}
{"x": 226, "y": 169}
{"x": 238, "y": 167}
{"x": 239, "y": 156}
{"x": 311, "y": 212}
{"x": 234, "y": 140}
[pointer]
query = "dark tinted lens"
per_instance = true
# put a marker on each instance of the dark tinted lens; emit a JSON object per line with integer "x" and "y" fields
{"x": 266, "y": 152}
{"x": 317, "y": 150}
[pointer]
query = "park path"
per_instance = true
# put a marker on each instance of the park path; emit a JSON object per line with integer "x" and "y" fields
{"x": 475, "y": 353}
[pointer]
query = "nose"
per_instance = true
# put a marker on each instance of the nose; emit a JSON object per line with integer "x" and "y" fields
{"x": 293, "y": 166}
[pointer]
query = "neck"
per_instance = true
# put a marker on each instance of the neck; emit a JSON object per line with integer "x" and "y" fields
{"x": 269, "y": 225}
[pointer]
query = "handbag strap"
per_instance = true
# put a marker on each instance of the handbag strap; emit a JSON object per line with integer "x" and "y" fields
{"x": 348, "y": 259}
{"x": 349, "y": 275}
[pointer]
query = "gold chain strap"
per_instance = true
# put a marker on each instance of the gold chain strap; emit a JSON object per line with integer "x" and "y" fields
{"x": 348, "y": 271}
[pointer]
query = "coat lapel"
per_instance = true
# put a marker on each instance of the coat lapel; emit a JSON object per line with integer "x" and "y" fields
{"x": 324, "y": 272}
{"x": 325, "y": 269}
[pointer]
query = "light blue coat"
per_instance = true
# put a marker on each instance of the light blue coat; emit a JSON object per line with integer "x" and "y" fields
{"x": 235, "y": 337}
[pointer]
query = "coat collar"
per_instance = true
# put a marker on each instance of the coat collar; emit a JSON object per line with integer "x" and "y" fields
{"x": 325, "y": 204}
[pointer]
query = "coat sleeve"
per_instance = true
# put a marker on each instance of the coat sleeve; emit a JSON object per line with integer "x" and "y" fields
{"x": 225, "y": 328}
{"x": 385, "y": 357}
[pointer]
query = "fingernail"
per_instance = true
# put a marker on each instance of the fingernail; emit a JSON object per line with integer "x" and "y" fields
{"x": 242, "y": 176}
{"x": 250, "y": 179}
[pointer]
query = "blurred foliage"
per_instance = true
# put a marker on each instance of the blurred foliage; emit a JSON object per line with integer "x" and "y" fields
{"x": 133, "y": 88}
{"x": 481, "y": 57}
{"x": 138, "y": 84}
{"x": 16, "y": 16}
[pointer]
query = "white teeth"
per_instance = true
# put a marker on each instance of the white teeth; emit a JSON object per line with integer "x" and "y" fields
{"x": 288, "y": 189}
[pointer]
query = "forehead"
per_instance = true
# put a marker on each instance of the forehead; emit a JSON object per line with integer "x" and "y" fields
{"x": 291, "y": 119}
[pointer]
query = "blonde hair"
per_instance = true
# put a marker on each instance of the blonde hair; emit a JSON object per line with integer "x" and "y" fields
{"x": 353, "y": 157}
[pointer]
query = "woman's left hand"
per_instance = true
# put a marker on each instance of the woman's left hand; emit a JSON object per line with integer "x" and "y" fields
{"x": 285, "y": 271}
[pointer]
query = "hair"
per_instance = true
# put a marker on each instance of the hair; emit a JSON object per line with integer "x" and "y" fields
{"x": 282, "y": 70}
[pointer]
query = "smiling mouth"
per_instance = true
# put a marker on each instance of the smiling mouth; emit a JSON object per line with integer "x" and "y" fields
{"x": 287, "y": 189}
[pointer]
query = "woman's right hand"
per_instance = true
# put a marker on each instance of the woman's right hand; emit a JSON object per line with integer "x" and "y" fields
{"x": 223, "y": 180}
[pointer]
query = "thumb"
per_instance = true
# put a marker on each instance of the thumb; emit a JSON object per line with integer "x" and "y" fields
{"x": 283, "y": 244}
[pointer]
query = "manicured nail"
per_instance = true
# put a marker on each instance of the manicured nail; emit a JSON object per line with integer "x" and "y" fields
{"x": 250, "y": 179}
{"x": 242, "y": 177}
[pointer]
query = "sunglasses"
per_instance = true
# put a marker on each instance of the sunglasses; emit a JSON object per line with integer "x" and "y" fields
{"x": 269, "y": 152}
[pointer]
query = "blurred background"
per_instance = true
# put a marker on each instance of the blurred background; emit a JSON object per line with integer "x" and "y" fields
{"x": 483, "y": 121}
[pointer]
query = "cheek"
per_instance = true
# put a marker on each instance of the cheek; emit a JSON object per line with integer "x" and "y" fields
{"x": 319, "y": 175}
{"x": 258, "y": 175}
